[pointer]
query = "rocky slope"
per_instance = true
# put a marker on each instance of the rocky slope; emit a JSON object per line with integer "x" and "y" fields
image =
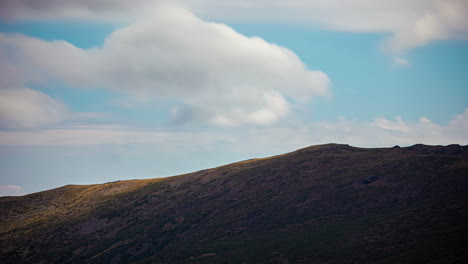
{"x": 322, "y": 204}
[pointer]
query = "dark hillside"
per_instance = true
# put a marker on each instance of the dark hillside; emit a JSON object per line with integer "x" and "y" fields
{"x": 322, "y": 204}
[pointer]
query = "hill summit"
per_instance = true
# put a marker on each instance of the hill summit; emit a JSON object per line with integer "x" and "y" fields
{"x": 321, "y": 204}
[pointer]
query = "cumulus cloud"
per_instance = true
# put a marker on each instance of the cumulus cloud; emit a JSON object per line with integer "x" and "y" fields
{"x": 22, "y": 107}
{"x": 11, "y": 190}
{"x": 216, "y": 74}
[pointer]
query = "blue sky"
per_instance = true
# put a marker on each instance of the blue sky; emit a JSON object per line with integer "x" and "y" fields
{"x": 91, "y": 94}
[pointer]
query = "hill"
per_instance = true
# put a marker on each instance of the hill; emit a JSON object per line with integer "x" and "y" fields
{"x": 322, "y": 204}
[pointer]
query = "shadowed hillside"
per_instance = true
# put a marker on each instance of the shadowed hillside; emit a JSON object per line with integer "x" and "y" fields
{"x": 322, "y": 204}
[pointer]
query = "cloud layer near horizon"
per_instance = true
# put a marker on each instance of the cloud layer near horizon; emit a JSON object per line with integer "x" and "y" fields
{"x": 213, "y": 73}
{"x": 380, "y": 132}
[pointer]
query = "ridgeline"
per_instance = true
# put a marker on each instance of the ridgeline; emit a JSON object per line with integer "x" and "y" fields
{"x": 322, "y": 204}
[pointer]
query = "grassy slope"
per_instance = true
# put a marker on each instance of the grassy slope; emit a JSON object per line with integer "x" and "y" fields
{"x": 308, "y": 206}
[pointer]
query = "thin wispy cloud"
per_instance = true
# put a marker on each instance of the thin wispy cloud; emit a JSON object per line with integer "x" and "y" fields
{"x": 410, "y": 23}
{"x": 401, "y": 62}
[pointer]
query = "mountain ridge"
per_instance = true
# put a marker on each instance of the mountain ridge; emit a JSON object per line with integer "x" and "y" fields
{"x": 311, "y": 205}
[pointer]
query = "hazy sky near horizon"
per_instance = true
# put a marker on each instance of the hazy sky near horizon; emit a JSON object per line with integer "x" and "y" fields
{"x": 98, "y": 91}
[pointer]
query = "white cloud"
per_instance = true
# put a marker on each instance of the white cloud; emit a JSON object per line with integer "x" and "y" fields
{"x": 397, "y": 125}
{"x": 11, "y": 190}
{"x": 25, "y": 108}
{"x": 219, "y": 75}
